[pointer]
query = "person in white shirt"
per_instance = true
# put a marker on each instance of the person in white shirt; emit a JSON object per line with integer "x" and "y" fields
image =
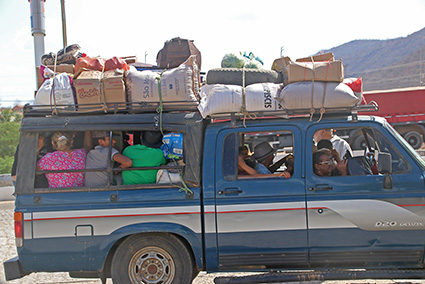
{"x": 339, "y": 144}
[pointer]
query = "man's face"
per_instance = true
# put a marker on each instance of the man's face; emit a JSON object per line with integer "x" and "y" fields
{"x": 326, "y": 165}
{"x": 105, "y": 142}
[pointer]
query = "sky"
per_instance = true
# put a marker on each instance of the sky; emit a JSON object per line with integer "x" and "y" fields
{"x": 135, "y": 27}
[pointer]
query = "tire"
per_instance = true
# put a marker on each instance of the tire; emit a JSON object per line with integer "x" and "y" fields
{"x": 233, "y": 76}
{"x": 414, "y": 139}
{"x": 153, "y": 258}
{"x": 359, "y": 143}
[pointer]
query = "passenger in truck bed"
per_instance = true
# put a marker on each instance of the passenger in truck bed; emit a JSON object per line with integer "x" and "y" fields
{"x": 65, "y": 158}
{"x": 147, "y": 155}
{"x": 43, "y": 147}
{"x": 98, "y": 158}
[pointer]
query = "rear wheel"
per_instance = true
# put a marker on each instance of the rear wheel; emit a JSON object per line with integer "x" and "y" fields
{"x": 414, "y": 139}
{"x": 359, "y": 143}
{"x": 155, "y": 258}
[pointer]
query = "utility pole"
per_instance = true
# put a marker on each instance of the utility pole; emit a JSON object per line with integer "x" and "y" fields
{"x": 65, "y": 40}
{"x": 38, "y": 28}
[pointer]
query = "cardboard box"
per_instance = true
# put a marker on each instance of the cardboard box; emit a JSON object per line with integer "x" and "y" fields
{"x": 68, "y": 68}
{"x": 317, "y": 58}
{"x": 280, "y": 64}
{"x": 330, "y": 71}
{"x": 95, "y": 87}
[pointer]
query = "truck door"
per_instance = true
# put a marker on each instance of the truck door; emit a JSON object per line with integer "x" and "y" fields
{"x": 261, "y": 221}
{"x": 354, "y": 221}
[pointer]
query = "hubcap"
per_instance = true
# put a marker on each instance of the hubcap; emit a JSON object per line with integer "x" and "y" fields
{"x": 151, "y": 265}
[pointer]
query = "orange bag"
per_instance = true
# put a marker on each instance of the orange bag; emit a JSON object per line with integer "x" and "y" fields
{"x": 89, "y": 63}
{"x": 116, "y": 63}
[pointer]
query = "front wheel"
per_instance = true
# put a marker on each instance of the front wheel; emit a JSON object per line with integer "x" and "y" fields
{"x": 154, "y": 258}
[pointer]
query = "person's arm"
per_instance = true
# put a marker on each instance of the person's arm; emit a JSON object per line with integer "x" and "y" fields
{"x": 242, "y": 165}
{"x": 15, "y": 164}
{"x": 88, "y": 143}
{"x": 124, "y": 161}
{"x": 335, "y": 155}
{"x": 342, "y": 167}
{"x": 277, "y": 165}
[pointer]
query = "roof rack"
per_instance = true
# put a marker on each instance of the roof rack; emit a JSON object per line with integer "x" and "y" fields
{"x": 372, "y": 106}
{"x": 109, "y": 108}
{"x": 153, "y": 107}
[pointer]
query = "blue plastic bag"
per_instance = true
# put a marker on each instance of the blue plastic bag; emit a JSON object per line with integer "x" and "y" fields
{"x": 172, "y": 146}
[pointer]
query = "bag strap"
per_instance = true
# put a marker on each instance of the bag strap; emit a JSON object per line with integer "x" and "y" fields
{"x": 52, "y": 91}
{"x": 312, "y": 110}
{"x": 102, "y": 98}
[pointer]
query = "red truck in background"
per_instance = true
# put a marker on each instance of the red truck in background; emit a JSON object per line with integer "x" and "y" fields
{"x": 403, "y": 108}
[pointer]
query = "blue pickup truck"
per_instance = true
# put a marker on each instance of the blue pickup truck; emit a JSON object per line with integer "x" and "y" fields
{"x": 216, "y": 218}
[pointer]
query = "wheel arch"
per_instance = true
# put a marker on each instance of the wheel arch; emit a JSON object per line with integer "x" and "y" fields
{"x": 191, "y": 240}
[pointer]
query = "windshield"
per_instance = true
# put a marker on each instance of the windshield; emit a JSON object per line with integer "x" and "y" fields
{"x": 406, "y": 144}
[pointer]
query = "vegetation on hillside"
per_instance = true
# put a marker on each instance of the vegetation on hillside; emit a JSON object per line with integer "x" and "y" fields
{"x": 385, "y": 64}
{"x": 10, "y": 121}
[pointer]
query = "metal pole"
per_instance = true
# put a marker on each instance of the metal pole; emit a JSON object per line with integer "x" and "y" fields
{"x": 38, "y": 30}
{"x": 64, "y": 24}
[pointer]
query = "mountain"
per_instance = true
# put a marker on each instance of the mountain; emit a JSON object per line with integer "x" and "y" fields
{"x": 385, "y": 64}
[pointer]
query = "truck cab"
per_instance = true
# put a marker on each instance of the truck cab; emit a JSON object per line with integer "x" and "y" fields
{"x": 216, "y": 218}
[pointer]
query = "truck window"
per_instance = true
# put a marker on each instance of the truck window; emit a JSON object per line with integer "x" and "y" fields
{"x": 352, "y": 151}
{"x": 79, "y": 159}
{"x": 258, "y": 155}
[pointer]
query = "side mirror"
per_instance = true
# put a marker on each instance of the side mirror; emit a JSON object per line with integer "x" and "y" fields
{"x": 385, "y": 167}
{"x": 384, "y": 163}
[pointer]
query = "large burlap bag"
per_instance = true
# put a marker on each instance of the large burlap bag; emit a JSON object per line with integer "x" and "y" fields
{"x": 307, "y": 95}
{"x": 224, "y": 99}
{"x": 179, "y": 84}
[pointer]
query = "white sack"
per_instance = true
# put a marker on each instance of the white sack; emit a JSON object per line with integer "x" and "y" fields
{"x": 219, "y": 98}
{"x": 298, "y": 95}
{"x": 62, "y": 91}
{"x": 164, "y": 176}
{"x": 179, "y": 84}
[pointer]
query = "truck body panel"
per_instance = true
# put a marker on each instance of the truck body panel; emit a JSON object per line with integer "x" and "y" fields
{"x": 231, "y": 222}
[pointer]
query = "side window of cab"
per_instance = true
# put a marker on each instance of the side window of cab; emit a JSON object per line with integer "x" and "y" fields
{"x": 352, "y": 151}
{"x": 258, "y": 155}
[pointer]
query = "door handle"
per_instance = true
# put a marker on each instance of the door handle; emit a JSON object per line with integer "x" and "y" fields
{"x": 230, "y": 191}
{"x": 321, "y": 187}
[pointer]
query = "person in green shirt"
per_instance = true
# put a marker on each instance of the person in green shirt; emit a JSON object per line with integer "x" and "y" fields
{"x": 146, "y": 155}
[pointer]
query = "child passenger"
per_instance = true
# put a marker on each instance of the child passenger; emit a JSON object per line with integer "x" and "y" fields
{"x": 98, "y": 159}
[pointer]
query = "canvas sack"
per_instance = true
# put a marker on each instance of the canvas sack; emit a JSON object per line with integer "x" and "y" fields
{"x": 223, "y": 99}
{"x": 179, "y": 84}
{"x": 307, "y": 95}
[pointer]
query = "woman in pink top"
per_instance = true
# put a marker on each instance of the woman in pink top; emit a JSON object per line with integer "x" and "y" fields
{"x": 65, "y": 158}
